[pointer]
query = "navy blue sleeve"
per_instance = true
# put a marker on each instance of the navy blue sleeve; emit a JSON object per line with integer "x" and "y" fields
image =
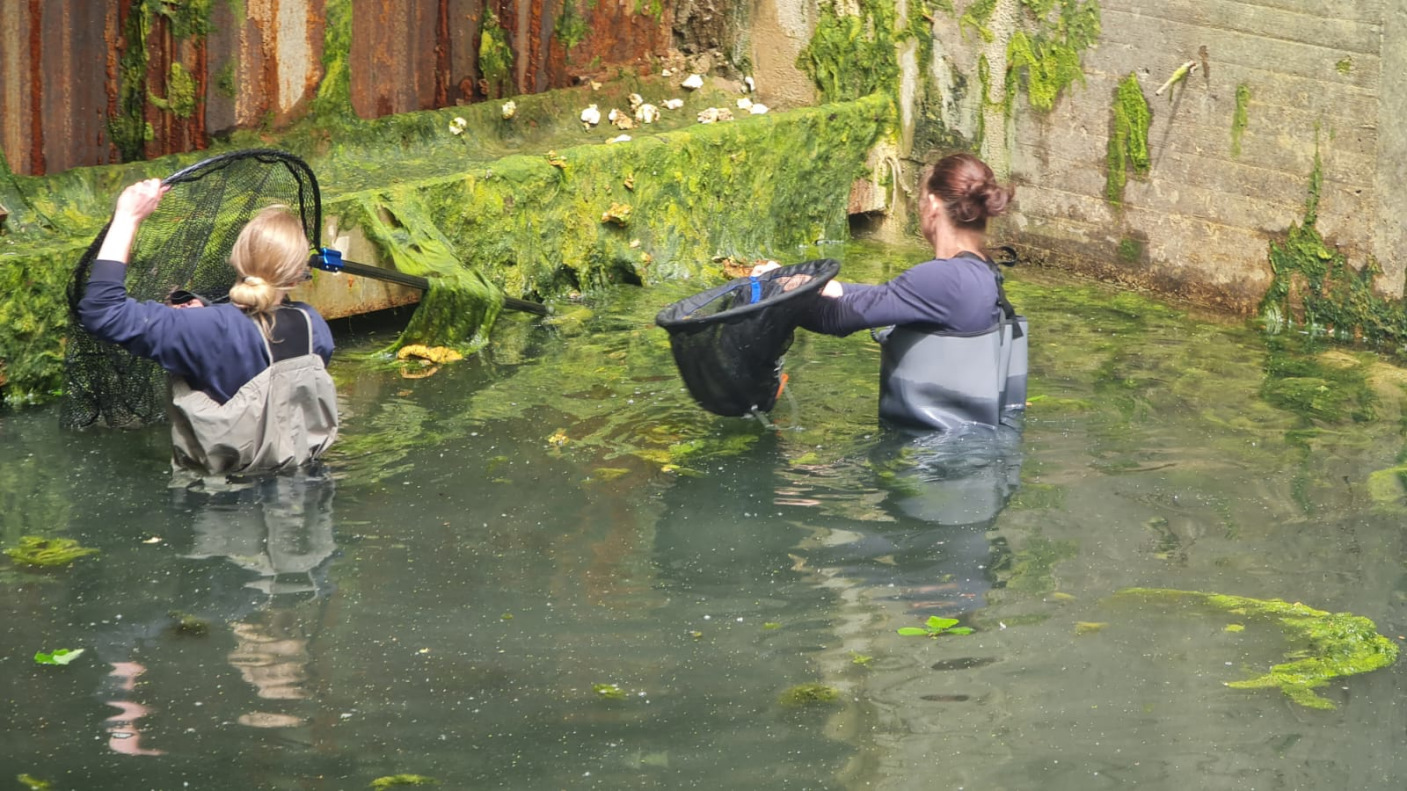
{"x": 957, "y": 295}
{"x": 216, "y": 349}
{"x": 146, "y": 329}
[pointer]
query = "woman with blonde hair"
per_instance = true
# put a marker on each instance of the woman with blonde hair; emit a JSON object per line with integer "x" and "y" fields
{"x": 250, "y": 390}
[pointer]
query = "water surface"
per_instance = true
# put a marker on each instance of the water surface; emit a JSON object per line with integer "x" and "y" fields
{"x": 546, "y": 568}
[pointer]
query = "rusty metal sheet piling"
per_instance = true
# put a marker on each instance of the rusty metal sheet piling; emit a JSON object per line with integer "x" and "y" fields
{"x": 62, "y": 66}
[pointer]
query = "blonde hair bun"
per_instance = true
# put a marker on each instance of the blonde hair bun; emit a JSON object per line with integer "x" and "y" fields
{"x": 271, "y": 257}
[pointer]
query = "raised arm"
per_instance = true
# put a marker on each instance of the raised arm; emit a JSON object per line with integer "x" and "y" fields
{"x": 136, "y": 203}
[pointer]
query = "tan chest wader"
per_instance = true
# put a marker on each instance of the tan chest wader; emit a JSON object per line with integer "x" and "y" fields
{"x": 948, "y": 380}
{"x": 283, "y": 417}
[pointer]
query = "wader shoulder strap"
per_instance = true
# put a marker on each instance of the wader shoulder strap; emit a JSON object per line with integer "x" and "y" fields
{"x": 292, "y": 337}
{"x": 1008, "y": 310}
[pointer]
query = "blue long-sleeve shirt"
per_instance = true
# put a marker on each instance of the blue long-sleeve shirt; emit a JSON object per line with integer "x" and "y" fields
{"x": 216, "y": 349}
{"x": 950, "y": 295}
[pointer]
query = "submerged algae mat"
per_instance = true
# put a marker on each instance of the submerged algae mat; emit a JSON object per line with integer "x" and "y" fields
{"x": 1330, "y": 645}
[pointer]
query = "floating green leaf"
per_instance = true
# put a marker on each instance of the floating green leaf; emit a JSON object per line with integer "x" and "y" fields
{"x": 60, "y": 657}
{"x": 935, "y": 626}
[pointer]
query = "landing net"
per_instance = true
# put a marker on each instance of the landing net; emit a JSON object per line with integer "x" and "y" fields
{"x": 728, "y": 341}
{"x": 184, "y": 245}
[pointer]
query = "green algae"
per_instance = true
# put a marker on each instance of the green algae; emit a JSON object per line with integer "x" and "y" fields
{"x": 495, "y": 57}
{"x": 186, "y": 20}
{"x": 1302, "y": 382}
{"x": 1049, "y": 68}
{"x": 390, "y": 781}
{"x": 1030, "y": 571}
{"x": 1130, "y": 250}
{"x": 460, "y": 308}
{"x": 1315, "y": 288}
{"x": 333, "y": 101}
{"x": 40, "y": 552}
{"x": 33, "y": 321}
{"x": 1328, "y": 646}
{"x": 1344, "y": 66}
{"x": 852, "y": 55}
{"x": 813, "y": 694}
{"x": 1240, "y": 117}
{"x": 1034, "y": 496}
{"x": 183, "y": 623}
{"x": 1048, "y": 60}
{"x": 919, "y": 27}
{"x": 976, "y": 16}
{"x": 180, "y": 98}
{"x": 607, "y": 691}
{"x": 1128, "y": 138}
{"x": 571, "y": 27}
{"x": 128, "y": 128}
{"x": 225, "y": 82}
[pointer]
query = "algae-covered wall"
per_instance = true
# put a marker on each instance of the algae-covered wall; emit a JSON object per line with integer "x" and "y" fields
{"x": 534, "y": 206}
{"x": 1187, "y": 140}
{"x": 1239, "y": 154}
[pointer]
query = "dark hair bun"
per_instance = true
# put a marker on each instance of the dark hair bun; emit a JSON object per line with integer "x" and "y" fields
{"x": 993, "y": 198}
{"x": 968, "y": 189}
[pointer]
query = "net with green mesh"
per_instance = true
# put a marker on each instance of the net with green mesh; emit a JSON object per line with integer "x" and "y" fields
{"x": 184, "y": 245}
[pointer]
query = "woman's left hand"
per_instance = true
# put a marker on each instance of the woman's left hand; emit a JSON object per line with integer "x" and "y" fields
{"x": 139, "y": 200}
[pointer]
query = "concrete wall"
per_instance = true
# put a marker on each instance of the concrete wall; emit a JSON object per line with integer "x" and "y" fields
{"x": 1322, "y": 78}
{"x": 1202, "y": 218}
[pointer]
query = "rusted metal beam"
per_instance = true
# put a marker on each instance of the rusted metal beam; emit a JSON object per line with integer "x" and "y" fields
{"x": 36, "y": 96}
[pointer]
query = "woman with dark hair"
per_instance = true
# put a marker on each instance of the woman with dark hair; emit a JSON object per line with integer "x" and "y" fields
{"x": 955, "y": 353}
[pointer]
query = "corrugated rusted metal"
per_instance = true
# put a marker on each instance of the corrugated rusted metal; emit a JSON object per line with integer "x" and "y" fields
{"x": 49, "y": 124}
{"x": 61, "y": 65}
{"x": 14, "y": 80}
{"x": 393, "y": 59}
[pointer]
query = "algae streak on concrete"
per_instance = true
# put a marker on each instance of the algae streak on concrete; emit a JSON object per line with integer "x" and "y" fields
{"x": 1212, "y": 201}
{"x": 763, "y": 185}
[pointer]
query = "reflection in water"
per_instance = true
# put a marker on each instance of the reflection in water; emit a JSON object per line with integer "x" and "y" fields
{"x": 941, "y": 497}
{"x": 124, "y": 735}
{"x": 281, "y": 530}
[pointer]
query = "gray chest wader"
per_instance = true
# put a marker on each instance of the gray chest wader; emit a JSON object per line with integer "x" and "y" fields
{"x": 283, "y": 417}
{"x": 947, "y": 380}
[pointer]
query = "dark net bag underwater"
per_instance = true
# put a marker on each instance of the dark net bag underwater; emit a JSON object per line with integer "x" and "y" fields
{"x": 183, "y": 246}
{"x": 728, "y": 341}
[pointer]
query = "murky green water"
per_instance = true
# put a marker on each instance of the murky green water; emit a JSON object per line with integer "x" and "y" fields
{"x": 545, "y": 568}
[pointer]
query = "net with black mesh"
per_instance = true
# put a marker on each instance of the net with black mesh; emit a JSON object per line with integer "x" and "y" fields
{"x": 184, "y": 245}
{"x": 728, "y": 341}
